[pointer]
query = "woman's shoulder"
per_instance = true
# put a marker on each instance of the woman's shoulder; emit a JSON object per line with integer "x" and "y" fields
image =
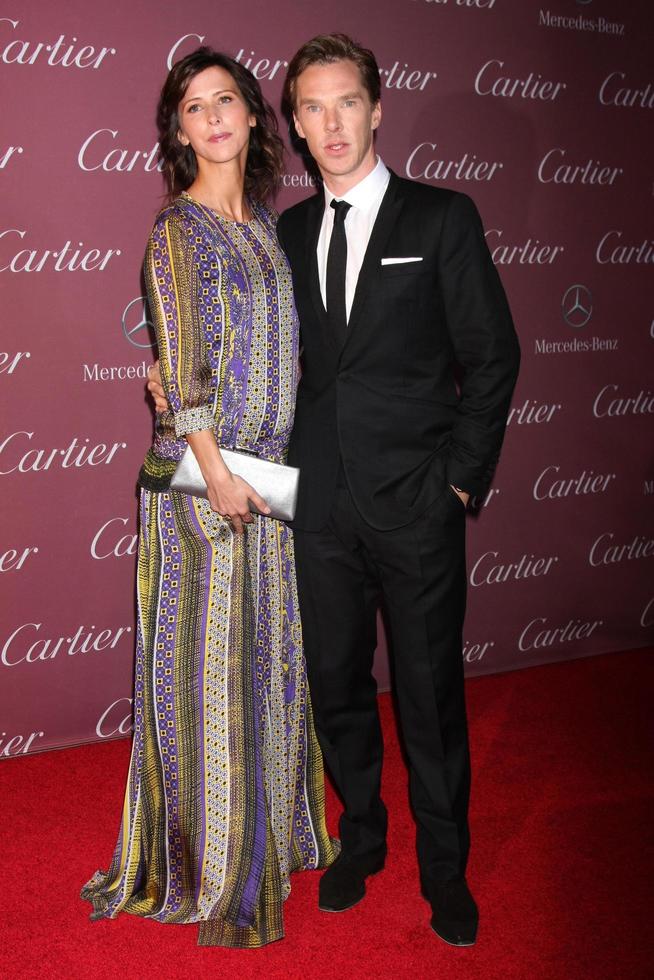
{"x": 176, "y": 212}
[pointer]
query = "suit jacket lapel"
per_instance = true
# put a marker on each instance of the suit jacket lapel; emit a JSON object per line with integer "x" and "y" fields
{"x": 314, "y": 223}
{"x": 388, "y": 214}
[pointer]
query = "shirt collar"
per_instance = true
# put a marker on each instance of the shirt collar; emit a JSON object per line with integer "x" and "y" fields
{"x": 366, "y": 193}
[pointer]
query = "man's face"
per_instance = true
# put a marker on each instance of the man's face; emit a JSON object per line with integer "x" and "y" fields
{"x": 334, "y": 114}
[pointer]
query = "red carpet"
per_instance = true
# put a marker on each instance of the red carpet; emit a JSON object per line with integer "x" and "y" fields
{"x": 561, "y": 862}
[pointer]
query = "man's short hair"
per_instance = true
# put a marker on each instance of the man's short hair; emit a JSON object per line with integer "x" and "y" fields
{"x": 325, "y": 49}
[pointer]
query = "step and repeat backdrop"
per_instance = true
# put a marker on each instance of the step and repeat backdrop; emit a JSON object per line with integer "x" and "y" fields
{"x": 541, "y": 111}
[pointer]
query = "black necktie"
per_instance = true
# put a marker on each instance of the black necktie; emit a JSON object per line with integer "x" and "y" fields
{"x": 336, "y": 265}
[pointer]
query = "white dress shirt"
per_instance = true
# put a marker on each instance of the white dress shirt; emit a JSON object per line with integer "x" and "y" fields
{"x": 365, "y": 198}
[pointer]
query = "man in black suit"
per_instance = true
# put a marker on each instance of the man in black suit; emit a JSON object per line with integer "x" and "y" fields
{"x": 394, "y": 287}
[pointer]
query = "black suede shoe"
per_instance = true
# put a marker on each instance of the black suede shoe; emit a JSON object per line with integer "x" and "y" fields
{"x": 455, "y": 915}
{"x": 344, "y": 883}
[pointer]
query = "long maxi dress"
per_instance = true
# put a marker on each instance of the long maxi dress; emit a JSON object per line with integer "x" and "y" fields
{"x": 224, "y": 794}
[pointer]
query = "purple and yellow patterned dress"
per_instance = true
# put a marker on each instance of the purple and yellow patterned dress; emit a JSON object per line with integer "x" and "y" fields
{"x": 225, "y": 788}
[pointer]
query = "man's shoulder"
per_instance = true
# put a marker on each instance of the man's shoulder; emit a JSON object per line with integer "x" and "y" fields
{"x": 297, "y": 214}
{"x": 422, "y": 195}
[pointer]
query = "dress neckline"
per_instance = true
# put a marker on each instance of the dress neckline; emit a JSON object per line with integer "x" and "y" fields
{"x": 217, "y": 214}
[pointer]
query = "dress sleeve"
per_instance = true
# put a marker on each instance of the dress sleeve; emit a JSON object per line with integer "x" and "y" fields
{"x": 186, "y": 374}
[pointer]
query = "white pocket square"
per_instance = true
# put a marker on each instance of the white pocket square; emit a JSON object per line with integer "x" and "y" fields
{"x": 397, "y": 261}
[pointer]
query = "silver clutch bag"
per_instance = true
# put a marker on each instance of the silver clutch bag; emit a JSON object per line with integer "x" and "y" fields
{"x": 277, "y": 484}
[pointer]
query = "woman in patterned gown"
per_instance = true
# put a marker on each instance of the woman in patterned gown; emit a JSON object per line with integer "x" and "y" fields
{"x": 225, "y": 787}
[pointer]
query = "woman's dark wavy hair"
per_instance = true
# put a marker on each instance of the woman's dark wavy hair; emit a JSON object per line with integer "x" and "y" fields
{"x": 265, "y": 160}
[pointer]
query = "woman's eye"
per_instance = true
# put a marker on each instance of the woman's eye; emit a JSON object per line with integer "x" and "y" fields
{"x": 225, "y": 98}
{"x": 193, "y": 107}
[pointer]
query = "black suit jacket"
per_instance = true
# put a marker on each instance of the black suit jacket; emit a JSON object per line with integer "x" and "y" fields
{"x": 386, "y": 403}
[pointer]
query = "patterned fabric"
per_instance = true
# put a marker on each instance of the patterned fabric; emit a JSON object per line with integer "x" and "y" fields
{"x": 225, "y": 789}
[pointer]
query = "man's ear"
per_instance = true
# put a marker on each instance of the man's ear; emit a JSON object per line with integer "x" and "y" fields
{"x": 298, "y": 127}
{"x": 376, "y": 115}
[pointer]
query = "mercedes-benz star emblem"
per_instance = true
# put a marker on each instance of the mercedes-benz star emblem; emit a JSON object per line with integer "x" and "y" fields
{"x": 136, "y": 320}
{"x": 577, "y": 306}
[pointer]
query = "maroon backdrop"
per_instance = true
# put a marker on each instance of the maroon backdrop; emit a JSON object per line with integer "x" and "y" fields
{"x": 540, "y": 111}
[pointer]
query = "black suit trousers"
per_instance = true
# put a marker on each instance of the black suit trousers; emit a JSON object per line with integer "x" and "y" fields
{"x": 418, "y": 573}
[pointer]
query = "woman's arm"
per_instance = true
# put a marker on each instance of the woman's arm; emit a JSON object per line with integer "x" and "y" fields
{"x": 187, "y": 379}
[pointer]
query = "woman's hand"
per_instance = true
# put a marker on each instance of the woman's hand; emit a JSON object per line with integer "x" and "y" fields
{"x": 155, "y": 388}
{"x": 461, "y": 494}
{"x": 229, "y": 495}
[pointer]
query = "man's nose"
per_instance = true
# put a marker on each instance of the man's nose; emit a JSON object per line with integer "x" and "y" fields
{"x": 332, "y": 120}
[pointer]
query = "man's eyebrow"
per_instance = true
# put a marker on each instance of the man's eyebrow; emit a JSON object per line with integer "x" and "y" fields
{"x": 345, "y": 95}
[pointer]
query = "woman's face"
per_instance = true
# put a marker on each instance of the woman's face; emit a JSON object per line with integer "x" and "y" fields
{"x": 214, "y": 119}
